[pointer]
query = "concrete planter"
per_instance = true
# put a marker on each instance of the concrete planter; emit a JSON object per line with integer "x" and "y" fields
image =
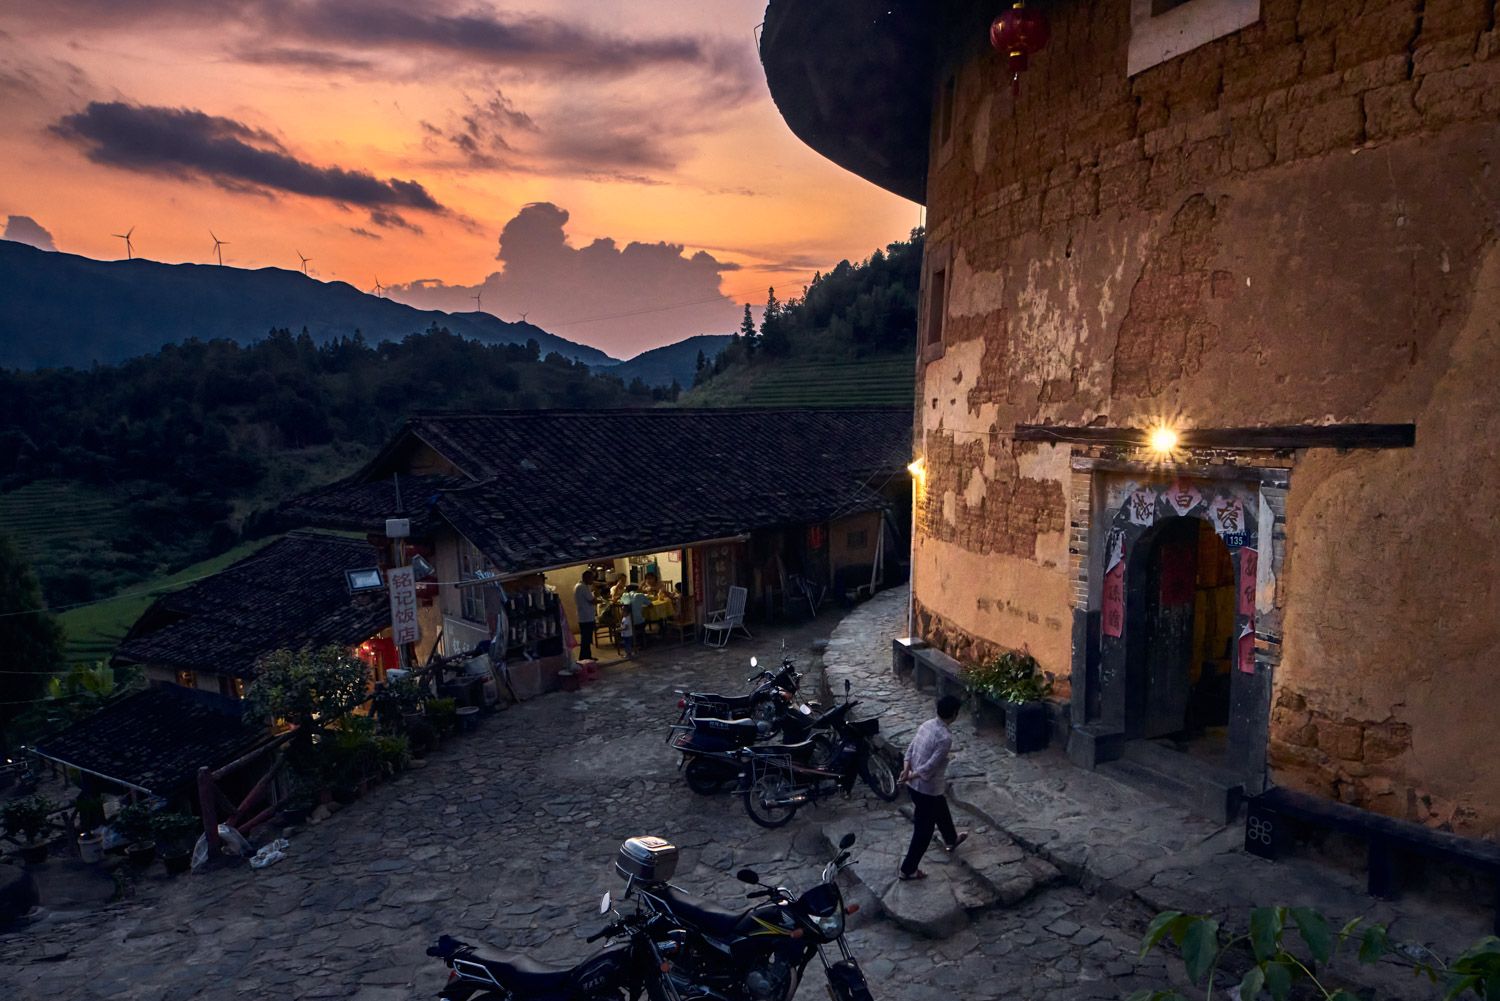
{"x": 1026, "y": 727}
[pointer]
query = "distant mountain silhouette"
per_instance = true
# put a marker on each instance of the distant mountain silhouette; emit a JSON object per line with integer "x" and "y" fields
{"x": 59, "y": 310}
{"x": 659, "y": 366}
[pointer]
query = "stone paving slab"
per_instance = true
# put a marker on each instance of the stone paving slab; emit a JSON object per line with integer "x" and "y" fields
{"x": 1106, "y": 837}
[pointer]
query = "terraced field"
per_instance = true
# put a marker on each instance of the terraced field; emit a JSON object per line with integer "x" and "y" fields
{"x": 50, "y": 513}
{"x": 808, "y": 383}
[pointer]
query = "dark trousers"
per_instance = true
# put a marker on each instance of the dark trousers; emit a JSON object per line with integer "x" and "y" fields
{"x": 928, "y": 812}
{"x": 586, "y": 640}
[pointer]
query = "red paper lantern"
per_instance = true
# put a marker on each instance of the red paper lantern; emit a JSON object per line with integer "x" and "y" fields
{"x": 1018, "y": 33}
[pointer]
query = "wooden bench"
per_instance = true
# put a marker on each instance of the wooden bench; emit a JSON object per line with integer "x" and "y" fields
{"x": 1388, "y": 839}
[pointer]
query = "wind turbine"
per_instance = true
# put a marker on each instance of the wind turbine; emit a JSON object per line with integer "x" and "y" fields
{"x": 129, "y": 248}
{"x": 523, "y": 317}
{"x": 217, "y": 244}
{"x": 304, "y": 262}
{"x": 379, "y": 289}
{"x": 478, "y": 298}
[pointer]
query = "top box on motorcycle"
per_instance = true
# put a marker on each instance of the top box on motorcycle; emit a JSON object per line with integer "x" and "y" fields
{"x": 650, "y": 860}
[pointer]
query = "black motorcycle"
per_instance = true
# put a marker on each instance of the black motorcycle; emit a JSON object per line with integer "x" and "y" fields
{"x": 759, "y": 953}
{"x": 624, "y": 970}
{"x": 766, "y": 702}
{"x": 709, "y": 747}
{"x": 776, "y": 784}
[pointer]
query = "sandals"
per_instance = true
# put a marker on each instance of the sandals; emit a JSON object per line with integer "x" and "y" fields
{"x": 919, "y": 874}
{"x": 962, "y": 837}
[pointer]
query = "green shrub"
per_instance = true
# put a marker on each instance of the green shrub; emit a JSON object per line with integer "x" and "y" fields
{"x": 26, "y": 819}
{"x": 133, "y": 822}
{"x": 1014, "y": 676}
{"x": 443, "y": 715}
{"x": 394, "y": 753}
{"x": 309, "y": 689}
{"x": 175, "y": 831}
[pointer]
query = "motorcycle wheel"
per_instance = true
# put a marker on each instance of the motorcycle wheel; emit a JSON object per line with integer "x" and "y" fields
{"x": 877, "y": 774}
{"x": 704, "y": 777}
{"x": 770, "y": 786}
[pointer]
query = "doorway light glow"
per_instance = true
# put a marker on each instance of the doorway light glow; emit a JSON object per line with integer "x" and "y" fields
{"x": 1163, "y": 440}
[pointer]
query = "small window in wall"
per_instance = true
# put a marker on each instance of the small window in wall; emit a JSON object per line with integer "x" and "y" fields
{"x": 470, "y": 567}
{"x": 946, "y": 100}
{"x": 231, "y": 688}
{"x": 187, "y": 679}
{"x": 937, "y": 305}
{"x": 1164, "y": 29}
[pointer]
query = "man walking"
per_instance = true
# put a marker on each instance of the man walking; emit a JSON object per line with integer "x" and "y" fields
{"x": 583, "y": 601}
{"x": 925, "y": 774}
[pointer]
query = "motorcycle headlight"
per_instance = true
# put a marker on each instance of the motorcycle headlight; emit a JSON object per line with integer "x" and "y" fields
{"x": 831, "y": 926}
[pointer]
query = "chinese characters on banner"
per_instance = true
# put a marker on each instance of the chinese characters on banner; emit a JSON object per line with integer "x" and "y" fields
{"x": 1249, "y": 563}
{"x": 1228, "y": 516}
{"x": 1247, "y": 648}
{"x": 1140, "y": 507}
{"x": 403, "y": 584}
{"x": 1183, "y": 496}
{"x": 1113, "y": 612}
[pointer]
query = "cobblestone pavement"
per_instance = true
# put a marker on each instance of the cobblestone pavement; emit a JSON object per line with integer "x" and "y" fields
{"x": 1117, "y": 841}
{"x": 507, "y": 837}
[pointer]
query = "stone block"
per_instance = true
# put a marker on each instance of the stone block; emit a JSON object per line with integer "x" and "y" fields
{"x": 1343, "y": 740}
{"x": 1442, "y": 18}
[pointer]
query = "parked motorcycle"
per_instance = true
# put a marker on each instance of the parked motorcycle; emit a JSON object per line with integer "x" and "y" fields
{"x": 776, "y": 784}
{"x": 710, "y": 747}
{"x": 626, "y": 969}
{"x": 765, "y": 703}
{"x": 757, "y": 953}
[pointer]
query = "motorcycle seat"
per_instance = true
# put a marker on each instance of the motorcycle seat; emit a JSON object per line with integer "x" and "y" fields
{"x": 526, "y": 975}
{"x": 746, "y": 729}
{"x": 733, "y": 701}
{"x": 719, "y": 922}
{"x": 795, "y": 750}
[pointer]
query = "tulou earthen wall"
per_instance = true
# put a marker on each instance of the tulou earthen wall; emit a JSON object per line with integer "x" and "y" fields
{"x": 1292, "y": 224}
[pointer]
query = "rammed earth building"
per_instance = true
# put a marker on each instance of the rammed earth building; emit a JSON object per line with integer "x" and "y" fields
{"x": 1271, "y": 227}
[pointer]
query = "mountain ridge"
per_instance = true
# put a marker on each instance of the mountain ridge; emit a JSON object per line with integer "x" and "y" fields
{"x": 60, "y": 310}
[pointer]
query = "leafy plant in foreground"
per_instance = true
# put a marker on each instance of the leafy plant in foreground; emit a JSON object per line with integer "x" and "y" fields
{"x": 1277, "y": 969}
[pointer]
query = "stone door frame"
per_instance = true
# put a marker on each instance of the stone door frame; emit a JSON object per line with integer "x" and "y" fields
{"x": 1097, "y": 521}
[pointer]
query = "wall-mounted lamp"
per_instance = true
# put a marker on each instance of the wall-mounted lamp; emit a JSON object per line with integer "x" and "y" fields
{"x": 918, "y": 468}
{"x": 1163, "y": 440}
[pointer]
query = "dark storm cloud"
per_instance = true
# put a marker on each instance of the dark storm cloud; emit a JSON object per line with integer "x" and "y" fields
{"x": 391, "y": 220}
{"x": 478, "y": 31}
{"x": 320, "y": 60}
{"x": 185, "y": 142}
{"x": 624, "y": 299}
{"x": 483, "y": 133}
{"x": 24, "y": 229}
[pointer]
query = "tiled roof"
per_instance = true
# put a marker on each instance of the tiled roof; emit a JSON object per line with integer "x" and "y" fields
{"x": 156, "y": 739}
{"x": 552, "y": 487}
{"x": 290, "y": 594}
{"x": 359, "y": 504}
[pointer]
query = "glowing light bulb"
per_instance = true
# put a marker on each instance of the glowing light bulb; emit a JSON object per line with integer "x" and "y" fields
{"x": 917, "y": 467}
{"x": 1163, "y": 440}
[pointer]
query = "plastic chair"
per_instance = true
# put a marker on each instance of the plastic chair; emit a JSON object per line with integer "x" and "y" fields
{"x": 722, "y": 623}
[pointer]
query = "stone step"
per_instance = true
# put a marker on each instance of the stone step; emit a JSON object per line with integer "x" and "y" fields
{"x": 989, "y": 871}
{"x": 1208, "y": 791}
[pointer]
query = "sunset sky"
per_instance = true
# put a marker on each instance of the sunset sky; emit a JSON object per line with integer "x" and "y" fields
{"x": 400, "y": 140}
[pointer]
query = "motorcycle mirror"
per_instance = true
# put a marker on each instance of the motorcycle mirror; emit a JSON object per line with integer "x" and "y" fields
{"x": 755, "y": 662}
{"x": 847, "y": 841}
{"x": 604, "y": 903}
{"x": 748, "y": 876}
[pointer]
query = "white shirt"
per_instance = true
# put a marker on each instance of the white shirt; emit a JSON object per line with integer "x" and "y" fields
{"x": 583, "y": 600}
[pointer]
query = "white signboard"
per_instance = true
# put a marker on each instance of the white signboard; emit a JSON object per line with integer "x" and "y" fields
{"x": 403, "y": 585}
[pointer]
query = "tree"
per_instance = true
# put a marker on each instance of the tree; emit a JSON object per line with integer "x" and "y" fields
{"x": 701, "y": 361}
{"x": 747, "y": 334}
{"x": 30, "y": 637}
{"x": 773, "y": 327}
{"x": 310, "y": 689}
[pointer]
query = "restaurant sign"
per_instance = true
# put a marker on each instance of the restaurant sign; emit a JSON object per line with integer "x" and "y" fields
{"x": 403, "y": 585}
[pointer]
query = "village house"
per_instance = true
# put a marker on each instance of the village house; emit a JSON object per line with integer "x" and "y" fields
{"x": 510, "y": 508}
{"x": 1259, "y": 235}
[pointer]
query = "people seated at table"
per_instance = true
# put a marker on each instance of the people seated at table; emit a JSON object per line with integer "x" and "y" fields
{"x": 651, "y": 584}
{"x": 617, "y": 587}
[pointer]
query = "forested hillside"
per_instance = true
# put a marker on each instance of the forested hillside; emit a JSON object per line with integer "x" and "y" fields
{"x": 847, "y": 339}
{"x": 117, "y": 474}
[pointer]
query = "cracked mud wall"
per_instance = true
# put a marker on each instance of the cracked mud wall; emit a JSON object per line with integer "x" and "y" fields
{"x": 1294, "y": 224}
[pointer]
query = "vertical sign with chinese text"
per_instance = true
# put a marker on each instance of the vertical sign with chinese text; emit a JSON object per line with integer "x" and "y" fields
{"x": 403, "y": 584}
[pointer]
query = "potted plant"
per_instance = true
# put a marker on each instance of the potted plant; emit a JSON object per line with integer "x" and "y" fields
{"x": 443, "y": 715}
{"x": 133, "y": 823}
{"x": 26, "y": 822}
{"x": 399, "y": 705}
{"x": 394, "y": 754}
{"x": 1015, "y": 680}
{"x": 420, "y": 736}
{"x": 175, "y": 833}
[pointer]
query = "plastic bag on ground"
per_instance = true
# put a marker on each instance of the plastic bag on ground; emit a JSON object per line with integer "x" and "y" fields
{"x": 270, "y": 854}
